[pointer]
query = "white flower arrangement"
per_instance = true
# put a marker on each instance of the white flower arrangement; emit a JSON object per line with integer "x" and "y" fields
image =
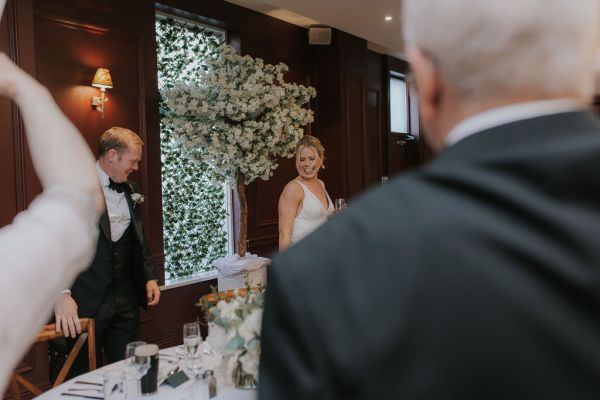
{"x": 241, "y": 114}
{"x": 234, "y": 326}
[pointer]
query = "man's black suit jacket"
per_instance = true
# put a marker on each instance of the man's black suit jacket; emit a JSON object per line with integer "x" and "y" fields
{"x": 477, "y": 277}
{"x": 90, "y": 286}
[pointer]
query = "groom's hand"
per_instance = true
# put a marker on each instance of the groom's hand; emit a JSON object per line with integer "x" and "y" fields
{"x": 65, "y": 313}
{"x": 152, "y": 292}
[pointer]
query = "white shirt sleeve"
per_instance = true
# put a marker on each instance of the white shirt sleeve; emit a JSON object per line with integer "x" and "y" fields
{"x": 41, "y": 252}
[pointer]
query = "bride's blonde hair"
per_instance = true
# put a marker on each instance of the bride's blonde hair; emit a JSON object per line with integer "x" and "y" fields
{"x": 311, "y": 141}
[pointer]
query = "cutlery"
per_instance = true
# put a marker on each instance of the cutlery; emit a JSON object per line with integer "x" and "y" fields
{"x": 83, "y": 389}
{"x": 88, "y": 383}
{"x": 82, "y": 395}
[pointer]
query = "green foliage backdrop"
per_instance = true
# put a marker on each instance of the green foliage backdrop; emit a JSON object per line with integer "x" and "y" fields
{"x": 193, "y": 201}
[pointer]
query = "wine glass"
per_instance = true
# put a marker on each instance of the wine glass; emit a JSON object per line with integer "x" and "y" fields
{"x": 192, "y": 342}
{"x": 131, "y": 369}
{"x": 339, "y": 204}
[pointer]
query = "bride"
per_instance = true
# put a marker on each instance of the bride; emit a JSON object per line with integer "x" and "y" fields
{"x": 304, "y": 203}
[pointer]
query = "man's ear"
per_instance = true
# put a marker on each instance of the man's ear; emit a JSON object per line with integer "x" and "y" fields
{"x": 112, "y": 155}
{"x": 428, "y": 82}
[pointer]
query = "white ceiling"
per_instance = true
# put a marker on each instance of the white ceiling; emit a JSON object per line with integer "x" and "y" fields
{"x": 362, "y": 18}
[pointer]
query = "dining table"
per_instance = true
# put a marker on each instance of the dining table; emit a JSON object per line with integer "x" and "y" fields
{"x": 169, "y": 360}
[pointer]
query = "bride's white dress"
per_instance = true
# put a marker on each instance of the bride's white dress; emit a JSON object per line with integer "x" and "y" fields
{"x": 312, "y": 214}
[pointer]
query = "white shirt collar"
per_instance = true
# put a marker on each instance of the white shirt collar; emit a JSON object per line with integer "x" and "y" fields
{"x": 507, "y": 114}
{"x": 102, "y": 177}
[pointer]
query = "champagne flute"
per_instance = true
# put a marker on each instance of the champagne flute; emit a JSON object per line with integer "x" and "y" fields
{"x": 192, "y": 342}
{"x": 339, "y": 204}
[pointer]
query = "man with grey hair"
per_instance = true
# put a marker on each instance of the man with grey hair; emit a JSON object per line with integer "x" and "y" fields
{"x": 476, "y": 277}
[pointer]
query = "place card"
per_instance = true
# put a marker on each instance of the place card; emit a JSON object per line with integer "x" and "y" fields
{"x": 177, "y": 379}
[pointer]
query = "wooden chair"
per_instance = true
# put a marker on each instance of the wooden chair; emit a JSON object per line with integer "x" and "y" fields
{"x": 49, "y": 333}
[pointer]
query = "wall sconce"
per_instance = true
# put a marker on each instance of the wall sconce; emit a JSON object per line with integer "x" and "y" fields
{"x": 103, "y": 81}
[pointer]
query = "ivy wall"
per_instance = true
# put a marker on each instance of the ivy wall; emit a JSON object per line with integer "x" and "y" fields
{"x": 194, "y": 203}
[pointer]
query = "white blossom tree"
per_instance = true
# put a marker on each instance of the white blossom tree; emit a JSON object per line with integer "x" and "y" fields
{"x": 242, "y": 116}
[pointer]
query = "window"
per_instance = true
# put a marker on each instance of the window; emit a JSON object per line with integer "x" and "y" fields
{"x": 196, "y": 208}
{"x": 399, "y": 116}
{"x": 403, "y": 109}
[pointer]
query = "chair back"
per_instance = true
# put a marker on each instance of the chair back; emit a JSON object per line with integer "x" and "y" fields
{"x": 49, "y": 333}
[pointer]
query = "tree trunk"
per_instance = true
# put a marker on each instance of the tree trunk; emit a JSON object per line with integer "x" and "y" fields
{"x": 243, "y": 236}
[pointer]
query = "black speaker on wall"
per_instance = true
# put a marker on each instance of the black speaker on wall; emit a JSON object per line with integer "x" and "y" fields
{"x": 318, "y": 34}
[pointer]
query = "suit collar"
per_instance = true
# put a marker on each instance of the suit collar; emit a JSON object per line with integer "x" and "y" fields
{"x": 511, "y": 113}
{"x": 137, "y": 223}
{"x": 518, "y": 138}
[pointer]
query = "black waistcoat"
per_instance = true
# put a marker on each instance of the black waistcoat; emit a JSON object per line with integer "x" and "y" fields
{"x": 122, "y": 253}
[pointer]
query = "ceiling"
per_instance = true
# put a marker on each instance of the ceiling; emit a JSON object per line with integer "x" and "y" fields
{"x": 362, "y": 18}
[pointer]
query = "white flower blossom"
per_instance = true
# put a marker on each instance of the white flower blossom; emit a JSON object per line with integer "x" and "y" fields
{"x": 216, "y": 338}
{"x": 227, "y": 310}
{"x": 234, "y": 327}
{"x": 240, "y": 107}
{"x": 250, "y": 327}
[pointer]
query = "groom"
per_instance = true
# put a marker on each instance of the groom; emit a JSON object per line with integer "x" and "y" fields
{"x": 121, "y": 277}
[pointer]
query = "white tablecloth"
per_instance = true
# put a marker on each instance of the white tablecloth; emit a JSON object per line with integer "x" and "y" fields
{"x": 165, "y": 392}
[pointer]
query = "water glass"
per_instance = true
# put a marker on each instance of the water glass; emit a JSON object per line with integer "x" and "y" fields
{"x": 129, "y": 353}
{"x": 140, "y": 363}
{"x": 146, "y": 361}
{"x": 113, "y": 384}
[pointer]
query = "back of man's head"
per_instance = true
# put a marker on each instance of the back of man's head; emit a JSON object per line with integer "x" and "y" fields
{"x": 501, "y": 48}
{"x": 117, "y": 138}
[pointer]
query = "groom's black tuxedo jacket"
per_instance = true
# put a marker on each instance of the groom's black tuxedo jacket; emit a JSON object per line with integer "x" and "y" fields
{"x": 476, "y": 277}
{"x": 90, "y": 286}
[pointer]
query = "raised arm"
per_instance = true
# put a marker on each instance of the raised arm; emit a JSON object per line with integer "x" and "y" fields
{"x": 46, "y": 246}
{"x": 289, "y": 201}
{"x": 59, "y": 153}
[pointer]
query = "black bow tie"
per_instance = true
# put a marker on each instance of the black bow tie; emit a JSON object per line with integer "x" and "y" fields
{"x": 117, "y": 187}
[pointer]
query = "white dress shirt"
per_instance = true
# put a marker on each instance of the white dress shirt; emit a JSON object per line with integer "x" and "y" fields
{"x": 42, "y": 251}
{"x": 116, "y": 205}
{"x": 507, "y": 114}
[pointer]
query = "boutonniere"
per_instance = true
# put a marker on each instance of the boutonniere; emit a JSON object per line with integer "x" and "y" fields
{"x": 137, "y": 198}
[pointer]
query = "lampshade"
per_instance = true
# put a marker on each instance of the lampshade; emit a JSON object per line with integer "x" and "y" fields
{"x": 102, "y": 79}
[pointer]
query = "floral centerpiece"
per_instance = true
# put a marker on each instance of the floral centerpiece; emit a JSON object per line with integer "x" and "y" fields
{"x": 234, "y": 324}
{"x": 242, "y": 115}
